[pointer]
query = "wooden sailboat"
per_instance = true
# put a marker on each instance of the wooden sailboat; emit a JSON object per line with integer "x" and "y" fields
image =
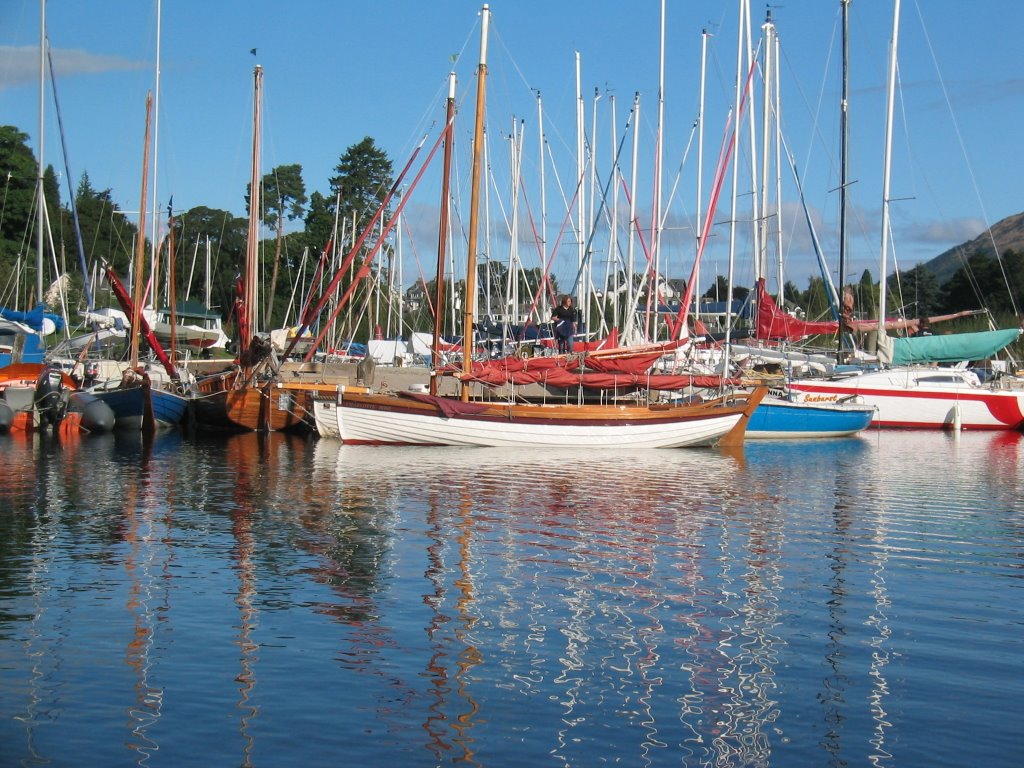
{"x": 136, "y": 403}
{"x": 251, "y": 396}
{"x": 413, "y": 418}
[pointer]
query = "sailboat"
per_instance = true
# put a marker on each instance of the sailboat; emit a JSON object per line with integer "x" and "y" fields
{"x": 908, "y": 390}
{"x": 422, "y": 418}
{"x": 33, "y": 394}
{"x": 251, "y": 396}
{"x": 782, "y": 414}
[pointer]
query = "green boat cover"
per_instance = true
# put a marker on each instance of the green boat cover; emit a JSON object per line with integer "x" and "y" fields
{"x": 951, "y": 348}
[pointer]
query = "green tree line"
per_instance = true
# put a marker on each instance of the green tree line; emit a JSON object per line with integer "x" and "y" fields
{"x": 300, "y": 225}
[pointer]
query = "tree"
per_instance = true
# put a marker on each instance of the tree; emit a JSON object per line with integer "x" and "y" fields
{"x": 816, "y": 304}
{"x": 226, "y": 235}
{"x": 319, "y": 223}
{"x": 919, "y": 289}
{"x": 16, "y": 222}
{"x": 866, "y": 296}
{"x": 284, "y": 195}
{"x": 362, "y": 181}
{"x": 719, "y": 291}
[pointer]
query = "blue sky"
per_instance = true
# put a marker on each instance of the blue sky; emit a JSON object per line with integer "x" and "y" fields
{"x": 338, "y": 71}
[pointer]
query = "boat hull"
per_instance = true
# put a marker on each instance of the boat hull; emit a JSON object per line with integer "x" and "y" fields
{"x": 778, "y": 419}
{"x": 325, "y": 414}
{"x": 272, "y": 407}
{"x": 144, "y": 408}
{"x": 375, "y": 419}
{"x": 924, "y": 398}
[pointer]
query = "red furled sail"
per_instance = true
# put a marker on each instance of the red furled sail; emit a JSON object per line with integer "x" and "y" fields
{"x": 773, "y": 323}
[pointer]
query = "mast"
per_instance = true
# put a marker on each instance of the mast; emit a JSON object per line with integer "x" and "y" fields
{"x": 543, "y": 210}
{"x": 41, "y": 203}
{"x": 474, "y": 223}
{"x": 761, "y": 222}
{"x": 613, "y": 241}
{"x": 631, "y": 293}
{"x": 887, "y": 165}
{"x": 442, "y": 236}
{"x": 700, "y": 169}
{"x": 156, "y": 148}
{"x": 744, "y": 16}
{"x": 659, "y": 152}
{"x": 581, "y": 198}
{"x": 171, "y": 292}
{"x": 252, "y": 242}
{"x": 843, "y": 158}
{"x": 140, "y": 244}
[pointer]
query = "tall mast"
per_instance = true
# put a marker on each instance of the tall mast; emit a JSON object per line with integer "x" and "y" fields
{"x": 252, "y": 243}
{"x": 658, "y": 149}
{"x": 631, "y": 294}
{"x": 761, "y": 222}
{"x": 155, "y": 244}
{"x": 442, "y": 236}
{"x": 41, "y": 202}
{"x": 474, "y": 204}
{"x": 581, "y": 198}
{"x": 844, "y": 139}
{"x": 743, "y": 32}
{"x": 543, "y": 208}
{"x": 613, "y": 239}
{"x": 700, "y": 168}
{"x": 140, "y": 243}
{"x": 755, "y": 197}
{"x": 887, "y": 164}
{"x": 778, "y": 163}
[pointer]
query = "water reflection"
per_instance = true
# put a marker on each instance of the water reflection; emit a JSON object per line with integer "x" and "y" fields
{"x": 464, "y": 605}
{"x": 571, "y": 551}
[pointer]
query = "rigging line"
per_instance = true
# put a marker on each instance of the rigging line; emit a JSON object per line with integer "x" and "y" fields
{"x": 604, "y": 200}
{"x": 71, "y": 191}
{"x": 675, "y": 184}
{"x": 522, "y": 77}
{"x": 364, "y": 268}
{"x": 963, "y": 150}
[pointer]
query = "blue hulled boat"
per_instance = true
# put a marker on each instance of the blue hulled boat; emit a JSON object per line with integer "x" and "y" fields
{"x": 781, "y": 418}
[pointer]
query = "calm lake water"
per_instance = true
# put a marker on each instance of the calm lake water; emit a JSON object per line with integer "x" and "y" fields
{"x": 269, "y": 601}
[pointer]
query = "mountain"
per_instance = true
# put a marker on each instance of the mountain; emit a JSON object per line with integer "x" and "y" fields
{"x": 1008, "y": 235}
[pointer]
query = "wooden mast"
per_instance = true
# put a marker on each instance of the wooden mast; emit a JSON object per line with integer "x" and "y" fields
{"x": 171, "y": 292}
{"x": 442, "y": 238}
{"x": 250, "y": 296}
{"x": 140, "y": 244}
{"x": 474, "y": 223}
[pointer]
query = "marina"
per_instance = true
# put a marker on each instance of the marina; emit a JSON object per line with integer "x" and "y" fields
{"x": 277, "y": 599}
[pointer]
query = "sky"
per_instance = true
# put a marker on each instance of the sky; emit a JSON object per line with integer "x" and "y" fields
{"x": 336, "y": 72}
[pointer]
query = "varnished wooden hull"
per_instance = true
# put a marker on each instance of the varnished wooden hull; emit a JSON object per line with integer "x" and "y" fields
{"x": 271, "y": 407}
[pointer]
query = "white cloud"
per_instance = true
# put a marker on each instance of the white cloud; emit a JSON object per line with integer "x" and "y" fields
{"x": 947, "y": 233}
{"x": 20, "y": 64}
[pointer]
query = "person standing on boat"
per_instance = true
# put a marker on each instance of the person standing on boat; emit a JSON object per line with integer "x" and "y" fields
{"x": 564, "y": 318}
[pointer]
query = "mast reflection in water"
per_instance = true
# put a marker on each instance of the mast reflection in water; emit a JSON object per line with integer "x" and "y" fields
{"x": 266, "y": 599}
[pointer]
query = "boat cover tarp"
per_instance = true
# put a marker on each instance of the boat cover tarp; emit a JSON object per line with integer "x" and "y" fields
{"x": 953, "y": 347}
{"x": 35, "y": 318}
{"x": 449, "y": 406}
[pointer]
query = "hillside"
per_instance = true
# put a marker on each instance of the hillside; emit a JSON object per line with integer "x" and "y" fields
{"x": 1008, "y": 235}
